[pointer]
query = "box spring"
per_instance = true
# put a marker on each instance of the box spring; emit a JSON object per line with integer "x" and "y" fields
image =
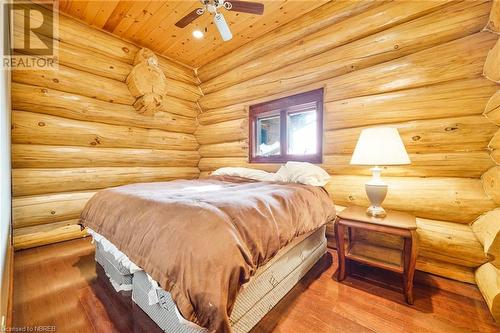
{"x": 266, "y": 288}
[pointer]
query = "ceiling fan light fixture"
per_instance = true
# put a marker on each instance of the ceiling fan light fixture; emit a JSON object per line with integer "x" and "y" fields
{"x": 198, "y": 34}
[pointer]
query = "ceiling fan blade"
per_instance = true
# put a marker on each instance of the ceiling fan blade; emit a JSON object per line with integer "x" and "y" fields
{"x": 188, "y": 19}
{"x": 222, "y": 26}
{"x": 247, "y": 7}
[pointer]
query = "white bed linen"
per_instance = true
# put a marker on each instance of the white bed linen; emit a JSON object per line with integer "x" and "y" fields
{"x": 291, "y": 172}
{"x": 111, "y": 248}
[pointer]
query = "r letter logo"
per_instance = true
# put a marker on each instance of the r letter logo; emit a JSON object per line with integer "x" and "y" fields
{"x": 33, "y": 35}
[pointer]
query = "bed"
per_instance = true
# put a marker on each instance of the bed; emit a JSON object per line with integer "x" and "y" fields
{"x": 265, "y": 289}
{"x": 213, "y": 254}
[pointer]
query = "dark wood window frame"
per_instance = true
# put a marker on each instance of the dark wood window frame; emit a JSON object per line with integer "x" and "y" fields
{"x": 282, "y": 107}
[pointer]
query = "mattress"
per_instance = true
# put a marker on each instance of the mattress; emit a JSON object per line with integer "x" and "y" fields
{"x": 257, "y": 297}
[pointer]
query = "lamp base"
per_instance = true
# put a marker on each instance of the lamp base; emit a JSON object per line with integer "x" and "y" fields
{"x": 376, "y": 190}
{"x": 376, "y": 211}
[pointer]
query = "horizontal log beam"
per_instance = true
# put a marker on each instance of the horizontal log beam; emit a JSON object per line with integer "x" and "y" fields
{"x": 214, "y": 116}
{"x": 471, "y": 133}
{"x": 459, "y": 59}
{"x": 74, "y": 106}
{"x": 172, "y": 104}
{"x": 88, "y": 61}
{"x": 446, "y": 269}
{"x": 74, "y": 81}
{"x": 449, "y": 99}
{"x": 301, "y": 27}
{"x": 214, "y": 163}
{"x": 177, "y": 71}
{"x": 445, "y": 25}
{"x": 432, "y": 198}
{"x": 450, "y": 242}
{"x": 42, "y": 156}
{"x": 25, "y": 238}
{"x": 78, "y": 82}
{"x": 49, "y": 208}
{"x": 222, "y": 132}
{"x": 225, "y": 149}
{"x": 91, "y": 62}
{"x": 40, "y": 181}
{"x": 182, "y": 90}
{"x": 101, "y": 65}
{"x": 462, "y": 164}
{"x": 33, "y": 128}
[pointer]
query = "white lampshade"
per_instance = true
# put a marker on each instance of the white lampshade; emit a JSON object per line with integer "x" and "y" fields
{"x": 380, "y": 146}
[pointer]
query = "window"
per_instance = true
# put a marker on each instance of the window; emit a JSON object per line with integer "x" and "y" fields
{"x": 287, "y": 129}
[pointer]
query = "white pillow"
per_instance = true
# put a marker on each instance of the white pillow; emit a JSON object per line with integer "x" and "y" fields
{"x": 256, "y": 174}
{"x": 304, "y": 173}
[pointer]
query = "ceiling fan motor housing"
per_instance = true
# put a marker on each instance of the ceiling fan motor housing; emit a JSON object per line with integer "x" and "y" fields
{"x": 213, "y": 6}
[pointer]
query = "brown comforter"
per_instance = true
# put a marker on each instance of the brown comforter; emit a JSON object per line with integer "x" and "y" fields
{"x": 202, "y": 239}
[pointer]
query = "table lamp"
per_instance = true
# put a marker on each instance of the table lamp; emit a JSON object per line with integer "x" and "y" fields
{"x": 379, "y": 146}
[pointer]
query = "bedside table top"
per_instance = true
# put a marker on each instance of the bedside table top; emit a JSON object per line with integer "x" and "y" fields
{"x": 393, "y": 219}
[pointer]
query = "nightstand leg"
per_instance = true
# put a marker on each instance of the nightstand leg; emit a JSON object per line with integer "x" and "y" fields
{"x": 410, "y": 260}
{"x": 339, "y": 236}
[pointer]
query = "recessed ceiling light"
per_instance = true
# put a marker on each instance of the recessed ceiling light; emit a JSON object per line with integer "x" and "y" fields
{"x": 197, "y": 34}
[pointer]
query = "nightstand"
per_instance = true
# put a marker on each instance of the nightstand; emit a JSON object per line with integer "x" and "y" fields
{"x": 395, "y": 223}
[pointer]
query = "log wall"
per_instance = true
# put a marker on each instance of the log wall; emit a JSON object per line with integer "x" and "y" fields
{"x": 417, "y": 66}
{"x": 487, "y": 227}
{"x": 75, "y": 130}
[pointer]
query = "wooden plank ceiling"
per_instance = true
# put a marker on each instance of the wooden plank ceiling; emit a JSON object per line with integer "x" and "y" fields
{"x": 151, "y": 24}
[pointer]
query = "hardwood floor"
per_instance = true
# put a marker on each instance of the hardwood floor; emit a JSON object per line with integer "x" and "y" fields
{"x": 57, "y": 285}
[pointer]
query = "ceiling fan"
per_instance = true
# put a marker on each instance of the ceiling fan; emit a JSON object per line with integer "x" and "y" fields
{"x": 213, "y": 7}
